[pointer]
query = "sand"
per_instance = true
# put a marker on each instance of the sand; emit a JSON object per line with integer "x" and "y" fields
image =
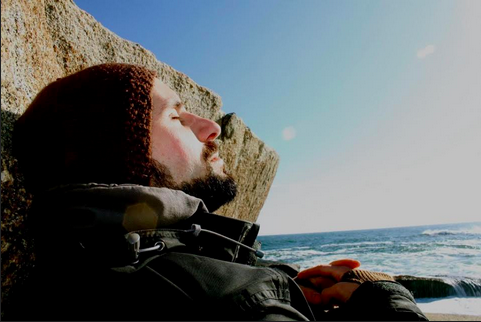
{"x": 452, "y": 317}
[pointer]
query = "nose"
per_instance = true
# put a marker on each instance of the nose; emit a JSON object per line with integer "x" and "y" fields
{"x": 204, "y": 129}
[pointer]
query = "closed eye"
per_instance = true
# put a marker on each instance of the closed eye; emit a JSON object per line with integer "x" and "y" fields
{"x": 174, "y": 116}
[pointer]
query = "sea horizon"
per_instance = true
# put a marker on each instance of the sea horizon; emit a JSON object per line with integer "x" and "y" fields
{"x": 368, "y": 229}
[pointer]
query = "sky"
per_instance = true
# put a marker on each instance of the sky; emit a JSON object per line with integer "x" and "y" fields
{"x": 374, "y": 107}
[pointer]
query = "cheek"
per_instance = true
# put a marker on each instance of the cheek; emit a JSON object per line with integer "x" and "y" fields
{"x": 171, "y": 150}
{"x": 175, "y": 152}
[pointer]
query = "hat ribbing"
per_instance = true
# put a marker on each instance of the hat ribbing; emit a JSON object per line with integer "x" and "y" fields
{"x": 91, "y": 126}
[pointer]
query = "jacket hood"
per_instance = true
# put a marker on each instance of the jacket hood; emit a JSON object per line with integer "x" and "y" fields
{"x": 114, "y": 208}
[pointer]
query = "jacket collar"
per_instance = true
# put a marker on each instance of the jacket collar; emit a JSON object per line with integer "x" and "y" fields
{"x": 97, "y": 215}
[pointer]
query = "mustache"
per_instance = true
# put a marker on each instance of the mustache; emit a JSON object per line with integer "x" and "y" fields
{"x": 210, "y": 148}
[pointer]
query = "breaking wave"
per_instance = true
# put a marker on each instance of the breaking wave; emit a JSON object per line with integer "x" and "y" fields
{"x": 446, "y": 232}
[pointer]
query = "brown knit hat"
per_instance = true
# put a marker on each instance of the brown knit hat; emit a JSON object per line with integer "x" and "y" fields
{"x": 92, "y": 126}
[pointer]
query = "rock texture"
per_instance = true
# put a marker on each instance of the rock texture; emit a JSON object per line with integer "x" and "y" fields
{"x": 46, "y": 39}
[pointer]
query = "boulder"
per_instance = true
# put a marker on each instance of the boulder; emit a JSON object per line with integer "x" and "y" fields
{"x": 46, "y": 39}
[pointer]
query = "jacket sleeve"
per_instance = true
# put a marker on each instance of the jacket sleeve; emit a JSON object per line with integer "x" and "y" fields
{"x": 381, "y": 300}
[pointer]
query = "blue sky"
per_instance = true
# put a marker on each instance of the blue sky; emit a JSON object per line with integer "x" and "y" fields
{"x": 373, "y": 106}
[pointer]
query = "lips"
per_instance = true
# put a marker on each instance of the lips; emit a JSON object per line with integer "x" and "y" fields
{"x": 215, "y": 157}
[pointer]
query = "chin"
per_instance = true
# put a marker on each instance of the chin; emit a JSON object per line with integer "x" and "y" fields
{"x": 215, "y": 189}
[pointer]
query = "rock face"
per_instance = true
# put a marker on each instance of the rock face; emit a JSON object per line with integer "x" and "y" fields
{"x": 432, "y": 287}
{"x": 46, "y": 39}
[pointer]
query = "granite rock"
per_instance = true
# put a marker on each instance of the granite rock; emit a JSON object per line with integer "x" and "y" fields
{"x": 46, "y": 39}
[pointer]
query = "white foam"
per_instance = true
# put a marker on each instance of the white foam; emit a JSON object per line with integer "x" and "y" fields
{"x": 451, "y": 305}
{"x": 476, "y": 230}
{"x": 376, "y": 243}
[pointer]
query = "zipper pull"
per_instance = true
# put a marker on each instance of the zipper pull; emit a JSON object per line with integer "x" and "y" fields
{"x": 133, "y": 244}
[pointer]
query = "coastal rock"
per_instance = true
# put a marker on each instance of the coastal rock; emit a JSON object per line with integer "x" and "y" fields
{"x": 46, "y": 39}
{"x": 433, "y": 287}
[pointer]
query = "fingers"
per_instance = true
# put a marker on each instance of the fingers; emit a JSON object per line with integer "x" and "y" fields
{"x": 334, "y": 272}
{"x": 351, "y": 263}
{"x": 322, "y": 282}
{"x": 324, "y": 270}
{"x": 338, "y": 293}
{"x": 321, "y": 286}
{"x": 316, "y": 283}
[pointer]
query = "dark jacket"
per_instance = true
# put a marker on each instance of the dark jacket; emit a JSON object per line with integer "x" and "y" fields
{"x": 128, "y": 252}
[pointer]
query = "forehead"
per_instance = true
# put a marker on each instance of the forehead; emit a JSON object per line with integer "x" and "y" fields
{"x": 163, "y": 97}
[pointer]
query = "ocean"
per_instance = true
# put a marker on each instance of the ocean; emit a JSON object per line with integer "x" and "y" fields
{"x": 450, "y": 253}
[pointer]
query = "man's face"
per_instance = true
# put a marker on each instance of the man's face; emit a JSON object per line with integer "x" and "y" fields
{"x": 183, "y": 144}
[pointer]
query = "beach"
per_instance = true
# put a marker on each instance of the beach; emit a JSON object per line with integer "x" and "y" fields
{"x": 451, "y": 309}
{"x": 452, "y": 317}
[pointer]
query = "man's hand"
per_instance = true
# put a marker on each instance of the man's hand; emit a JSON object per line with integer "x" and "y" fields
{"x": 321, "y": 284}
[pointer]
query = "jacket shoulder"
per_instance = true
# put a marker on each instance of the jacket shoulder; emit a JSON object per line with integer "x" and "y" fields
{"x": 226, "y": 287}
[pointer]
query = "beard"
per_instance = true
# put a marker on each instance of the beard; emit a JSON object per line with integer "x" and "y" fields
{"x": 214, "y": 189}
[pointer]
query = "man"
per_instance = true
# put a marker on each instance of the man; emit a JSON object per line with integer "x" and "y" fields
{"x": 125, "y": 182}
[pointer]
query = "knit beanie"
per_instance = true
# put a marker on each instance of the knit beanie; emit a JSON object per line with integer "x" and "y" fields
{"x": 91, "y": 126}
